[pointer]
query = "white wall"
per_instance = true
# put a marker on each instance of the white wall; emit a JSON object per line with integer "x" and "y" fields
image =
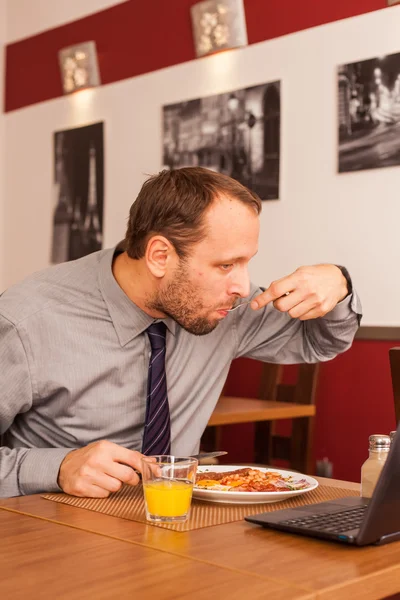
{"x": 2, "y": 138}
{"x": 349, "y": 219}
{"x": 28, "y": 17}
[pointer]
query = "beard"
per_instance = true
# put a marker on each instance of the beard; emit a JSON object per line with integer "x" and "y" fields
{"x": 180, "y": 300}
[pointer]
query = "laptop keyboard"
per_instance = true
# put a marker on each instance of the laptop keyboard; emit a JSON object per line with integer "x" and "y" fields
{"x": 335, "y": 522}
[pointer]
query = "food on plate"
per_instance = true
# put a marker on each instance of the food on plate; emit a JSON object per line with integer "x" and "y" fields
{"x": 249, "y": 480}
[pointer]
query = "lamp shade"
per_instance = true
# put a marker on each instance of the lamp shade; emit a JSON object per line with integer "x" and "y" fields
{"x": 79, "y": 67}
{"x": 218, "y": 25}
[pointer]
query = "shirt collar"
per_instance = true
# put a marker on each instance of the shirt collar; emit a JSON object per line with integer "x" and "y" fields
{"x": 128, "y": 319}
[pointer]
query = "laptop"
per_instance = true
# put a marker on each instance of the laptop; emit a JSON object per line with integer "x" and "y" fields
{"x": 352, "y": 520}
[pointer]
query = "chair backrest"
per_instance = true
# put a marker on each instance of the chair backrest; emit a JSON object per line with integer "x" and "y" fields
{"x": 296, "y": 448}
{"x": 394, "y": 356}
{"x": 301, "y": 392}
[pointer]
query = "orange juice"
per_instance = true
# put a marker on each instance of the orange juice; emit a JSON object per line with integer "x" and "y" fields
{"x": 168, "y": 497}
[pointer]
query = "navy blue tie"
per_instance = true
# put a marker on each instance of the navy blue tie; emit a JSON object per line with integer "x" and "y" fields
{"x": 157, "y": 428}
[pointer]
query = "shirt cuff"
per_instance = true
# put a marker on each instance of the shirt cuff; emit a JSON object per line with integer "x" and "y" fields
{"x": 39, "y": 469}
{"x": 344, "y": 309}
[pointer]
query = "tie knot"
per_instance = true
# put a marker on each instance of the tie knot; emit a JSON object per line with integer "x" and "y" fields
{"x": 157, "y": 333}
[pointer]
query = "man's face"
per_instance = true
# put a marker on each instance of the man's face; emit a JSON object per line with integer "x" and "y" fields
{"x": 199, "y": 290}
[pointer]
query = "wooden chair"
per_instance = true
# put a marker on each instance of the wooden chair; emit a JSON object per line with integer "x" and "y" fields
{"x": 275, "y": 401}
{"x": 394, "y": 356}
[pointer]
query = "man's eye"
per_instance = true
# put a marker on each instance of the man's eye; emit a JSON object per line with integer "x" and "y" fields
{"x": 226, "y": 267}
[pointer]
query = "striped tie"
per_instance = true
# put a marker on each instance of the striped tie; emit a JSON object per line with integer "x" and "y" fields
{"x": 157, "y": 429}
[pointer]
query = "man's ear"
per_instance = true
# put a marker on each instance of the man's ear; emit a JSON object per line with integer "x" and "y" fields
{"x": 159, "y": 255}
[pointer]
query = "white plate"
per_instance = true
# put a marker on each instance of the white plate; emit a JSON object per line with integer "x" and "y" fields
{"x": 250, "y": 497}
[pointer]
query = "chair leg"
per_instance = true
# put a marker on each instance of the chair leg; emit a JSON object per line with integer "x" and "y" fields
{"x": 262, "y": 442}
{"x": 301, "y": 445}
{"x": 211, "y": 439}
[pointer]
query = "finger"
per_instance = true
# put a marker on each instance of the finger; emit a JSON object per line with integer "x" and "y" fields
{"x": 106, "y": 482}
{"x": 128, "y": 457}
{"x": 277, "y": 289}
{"x": 288, "y": 301}
{"x": 123, "y": 473}
{"x": 149, "y": 463}
{"x": 313, "y": 307}
{"x": 302, "y": 309}
{"x": 94, "y": 491}
{"x": 88, "y": 491}
{"x": 311, "y": 314}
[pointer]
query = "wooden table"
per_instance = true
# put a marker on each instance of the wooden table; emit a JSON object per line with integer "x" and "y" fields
{"x": 231, "y": 409}
{"x": 51, "y": 550}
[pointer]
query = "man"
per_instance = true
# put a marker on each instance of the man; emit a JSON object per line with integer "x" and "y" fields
{"x": 84, "y": 389}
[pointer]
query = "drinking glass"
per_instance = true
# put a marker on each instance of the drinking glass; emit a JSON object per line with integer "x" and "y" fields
{"x": 168, "y": 486}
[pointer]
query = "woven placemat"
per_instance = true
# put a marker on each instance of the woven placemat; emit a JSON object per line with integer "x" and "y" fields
{"x": 128, "y": 503}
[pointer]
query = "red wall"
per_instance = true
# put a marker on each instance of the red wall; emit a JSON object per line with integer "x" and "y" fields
{"x": 354, "y": 395}
{"x": 138, "y": 37}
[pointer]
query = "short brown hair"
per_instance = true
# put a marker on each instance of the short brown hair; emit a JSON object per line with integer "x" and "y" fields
{"x": 173, "y": 203}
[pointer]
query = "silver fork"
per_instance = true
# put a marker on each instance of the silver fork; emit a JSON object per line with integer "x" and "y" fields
{"x": 250, "y": 301}
{"x": 239, "y": 305}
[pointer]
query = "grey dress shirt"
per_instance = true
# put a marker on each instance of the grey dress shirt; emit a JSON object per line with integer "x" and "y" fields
{"x": 74, "y": 360}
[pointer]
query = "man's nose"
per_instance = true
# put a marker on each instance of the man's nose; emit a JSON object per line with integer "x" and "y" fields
{"x": 240, "y": 284}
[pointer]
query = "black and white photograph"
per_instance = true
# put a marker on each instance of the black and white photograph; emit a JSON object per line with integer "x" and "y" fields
{"x": 78, "y": 192}
{"x": 236, "y": 133}
{"x": 369, "y": 114}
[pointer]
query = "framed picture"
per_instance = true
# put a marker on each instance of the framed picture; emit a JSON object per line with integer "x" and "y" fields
{"x": 369, "y": 113}
{"x": 78, "y": 192}
{"x": 236, "y": 133}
